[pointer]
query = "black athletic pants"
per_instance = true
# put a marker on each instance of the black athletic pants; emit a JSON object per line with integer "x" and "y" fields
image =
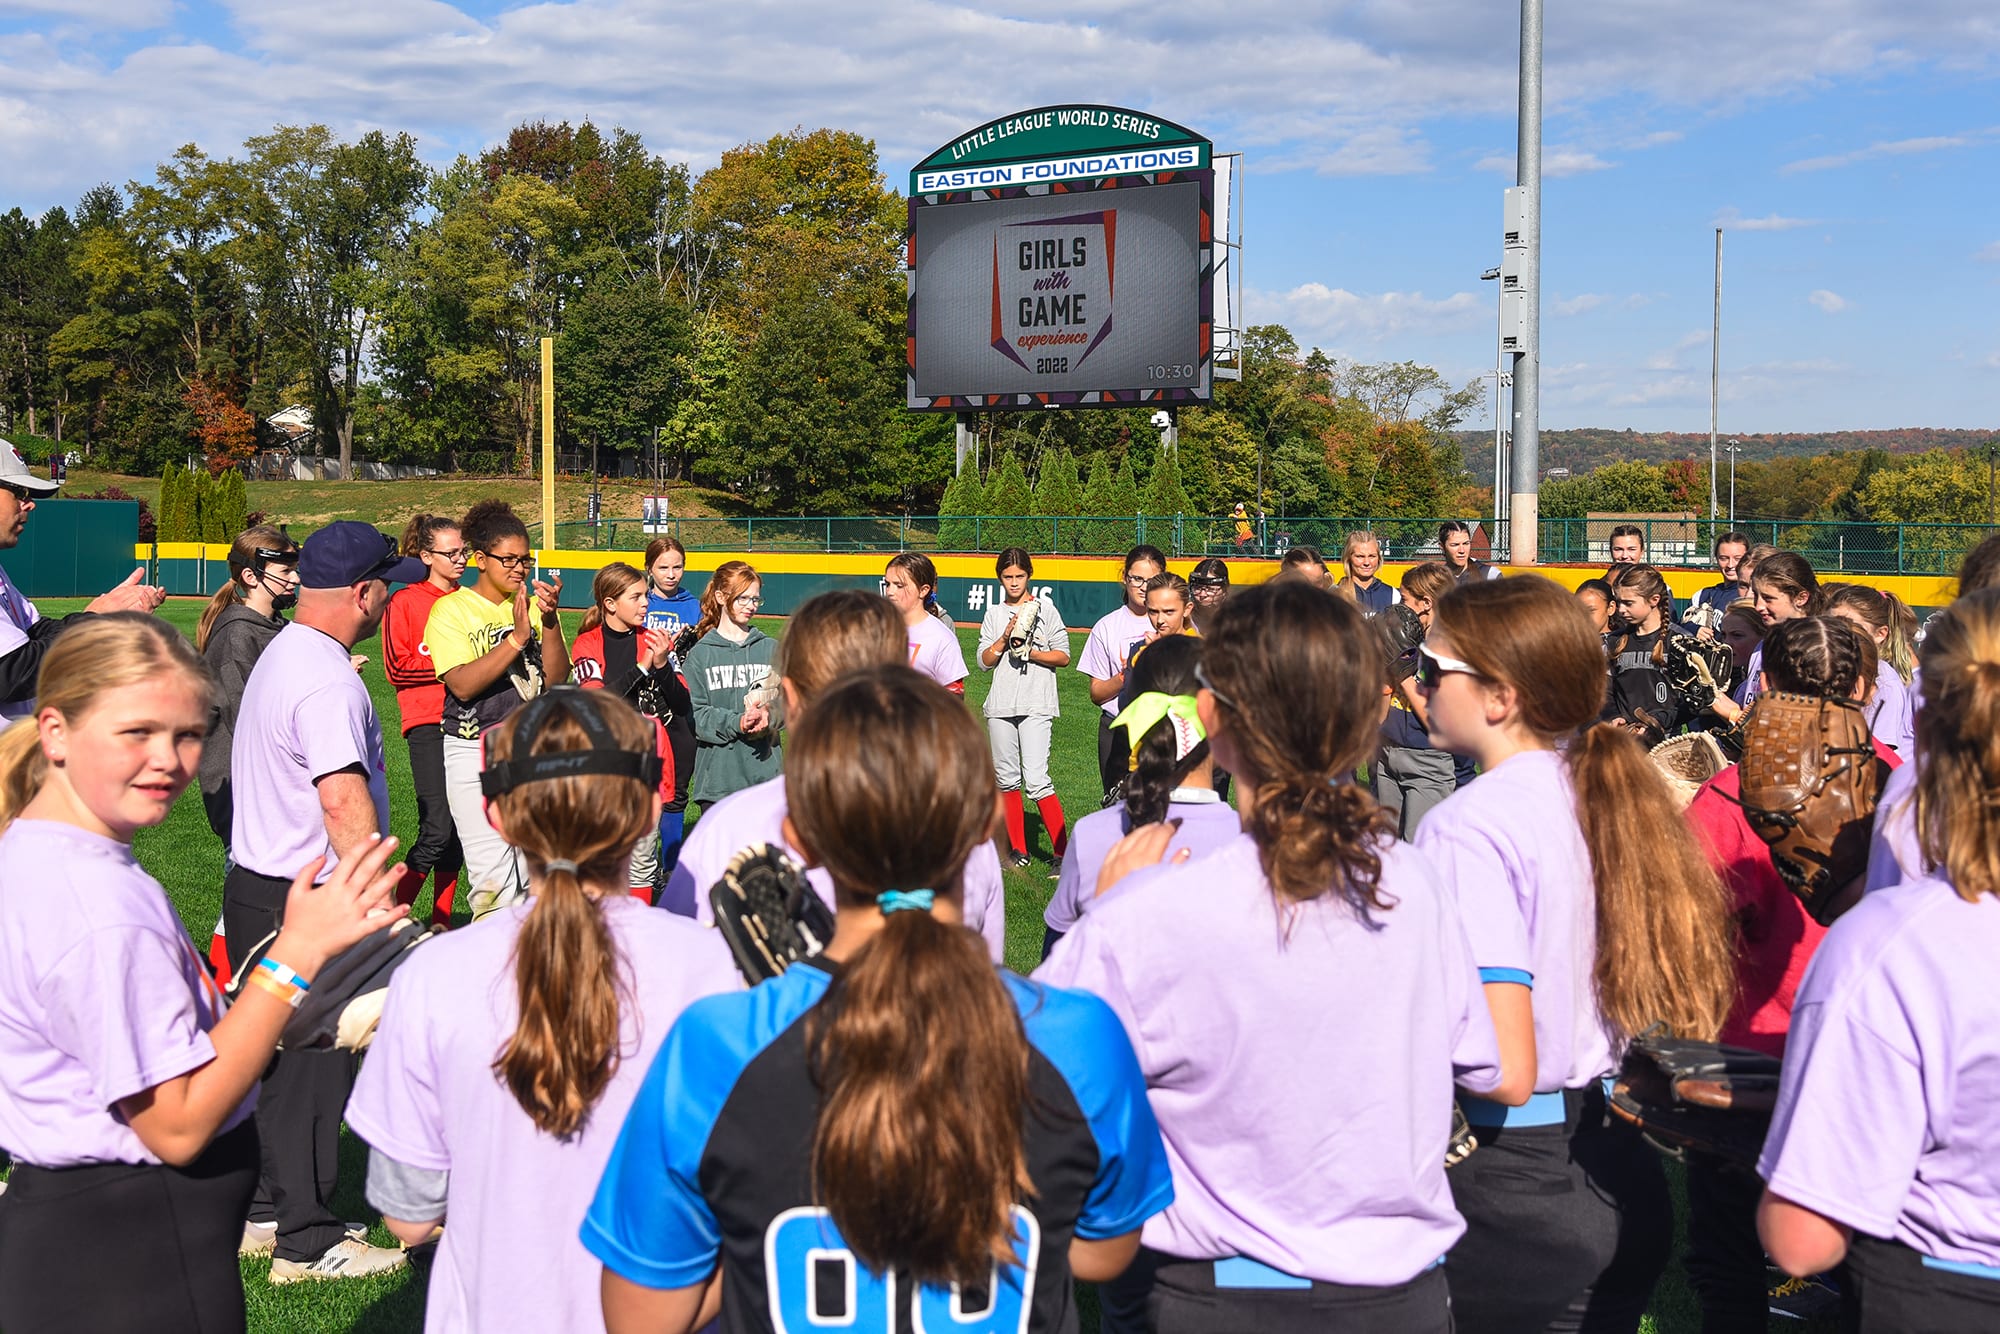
{"x": 127, "y": 1248}
{"x": 436, "y": 848}
{"x": 299, "y": 1103}
{"x": 1168, "y": 1295}
{"x": 1725, "y": 1260}
{"x": 1112, "y": 763}
{"x": 1897, "y": 1292}
{"x": 1568, "y": 1227}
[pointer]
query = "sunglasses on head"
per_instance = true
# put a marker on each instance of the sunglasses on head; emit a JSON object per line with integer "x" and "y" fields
{"x": 1434, "y": 667}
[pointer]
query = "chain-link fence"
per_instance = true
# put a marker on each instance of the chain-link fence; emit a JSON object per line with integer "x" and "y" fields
{"x": 1860, "y": 548}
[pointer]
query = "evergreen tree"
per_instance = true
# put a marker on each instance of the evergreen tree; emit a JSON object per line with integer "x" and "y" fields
{"x": 1098, "y": 533}
{"x": 176, "y": 514}
{"x": 1058, "y": 492}
{"x": 963, "y": 498}
{"x": 1166, "y": 503}
{"x": 1008, "y": 499}
{"x": 1125, "y": 505}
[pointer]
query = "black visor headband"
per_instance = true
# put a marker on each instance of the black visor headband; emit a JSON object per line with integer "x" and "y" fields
{"x": 604, "y": 757}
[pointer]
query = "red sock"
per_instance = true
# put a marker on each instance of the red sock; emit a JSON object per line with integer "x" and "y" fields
{"x": 1017, "y": 823}
{"x": 411, "y": 882}
{"x": 1052, "y": 820}
{"x": 218, "y": 955}
{"x": 446, "y": 890}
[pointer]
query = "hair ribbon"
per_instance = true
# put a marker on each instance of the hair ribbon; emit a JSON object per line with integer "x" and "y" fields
{"x": 902, "y": 900}
{"x": 1144, "y": 713}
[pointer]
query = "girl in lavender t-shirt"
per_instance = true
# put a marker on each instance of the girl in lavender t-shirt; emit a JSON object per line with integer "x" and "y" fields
{"x": 910, "y": 583}
{"x": 497, "y": 1115}
{"x": 1593, "y": 916}
{"x": 1881, "y": 1151}
{"x": 1171, "y": 778}
{"x": 126, "y": 1091}
{"x": 1302, "y": 1000}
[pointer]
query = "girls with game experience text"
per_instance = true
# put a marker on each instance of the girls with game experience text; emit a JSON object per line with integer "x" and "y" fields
{"x": 1170, "y": 776}
{"x": 125, "y": 1087}
{"x": 495, "y": 646}
{"x": 1023, "y": 642}
{"x": 615, "y": 650}
{"x": 496, "y": 1118}
{"x": 910, "y": 583}
{"x": 1881, "y": 1148}
{"x": 829, "y": 634}
{"x": 730, "y": 691}
{"x": 1106, "y": 651}
{"x": 1593, "y": 917}
{"x": 1309, "y": 1155}
{"x": 896, "y": 1134}
{"x": 439, "y": 543}
{"x": 670, "y": 607}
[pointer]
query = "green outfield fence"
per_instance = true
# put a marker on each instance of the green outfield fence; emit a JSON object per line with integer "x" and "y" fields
{"x": 1860, "y": 548}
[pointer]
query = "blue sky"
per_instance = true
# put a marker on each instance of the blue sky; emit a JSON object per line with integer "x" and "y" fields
{"x": 1850, "y": 148}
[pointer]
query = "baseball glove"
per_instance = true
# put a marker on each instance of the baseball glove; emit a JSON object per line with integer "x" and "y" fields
{"x": 1403, "y": 632}
{"x": 767, "y": 912}
{"x": 1695, "y": 670}
{"x": 1810, "y": 784}
{"x": 1462, "y": 1142}
{"x": 345, "y": 1002}
{"x": 1701, "y": 1096}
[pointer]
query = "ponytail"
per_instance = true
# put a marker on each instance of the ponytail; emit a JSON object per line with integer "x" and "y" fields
{"x": 229, "y": 595}
{"x": 1664, "y": 949}
{"x": 610, "y": 582}
{"x": 23, "y": 767}
{"x": 569, "y": 978}
{"x": 917, "y": 1047}
{"x": 1297, "y": 679}
{"x": 1168, "y": 667}
{"x": 1958, "y": 745}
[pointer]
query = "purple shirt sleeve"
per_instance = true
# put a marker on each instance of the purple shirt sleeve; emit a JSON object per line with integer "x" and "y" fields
{"x": 395, "y": 1106}
{"x": 986, "y": 899}
{"x": 332, "y": 727}
{"x": 1474, "y": 869}
{"x": 1098, "y": 661}
{"x": 119, "y": 1004}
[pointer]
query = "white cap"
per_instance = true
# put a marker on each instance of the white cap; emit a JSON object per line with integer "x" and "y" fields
{"x": 13, "y": 472}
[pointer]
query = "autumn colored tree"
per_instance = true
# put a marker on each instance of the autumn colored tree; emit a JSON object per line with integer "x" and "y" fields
{"x": 227, "y": 432}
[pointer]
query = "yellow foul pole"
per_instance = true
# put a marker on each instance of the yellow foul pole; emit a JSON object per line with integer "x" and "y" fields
{"x": 548, "y": 444}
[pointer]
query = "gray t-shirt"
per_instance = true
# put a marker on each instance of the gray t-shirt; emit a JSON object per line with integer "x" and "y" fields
{"x": 1023, "y": 689}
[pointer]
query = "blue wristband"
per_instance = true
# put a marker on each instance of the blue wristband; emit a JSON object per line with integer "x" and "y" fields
{"x": 283, "y": 973}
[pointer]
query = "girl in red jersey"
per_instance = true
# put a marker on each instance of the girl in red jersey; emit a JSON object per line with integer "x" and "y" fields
{"x": 406, "y": 660}
{"x": 615, "y": 651}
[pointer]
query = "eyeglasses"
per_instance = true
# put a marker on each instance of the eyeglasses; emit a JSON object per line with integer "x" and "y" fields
{"x": 1434, "y": 667}
{"x": 20, "y": 493}
{"x": 508, "y": 562}
{"x": 1138, "y": 580}
{"x": 1201, "y": 679}
{"x": 457, "y": 555}
{"x": 1208, "y": 585}
{"x": 750, "y": 600}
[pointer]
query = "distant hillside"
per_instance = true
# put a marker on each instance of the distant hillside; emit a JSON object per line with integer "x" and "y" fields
{"x": 1592, "y": 447}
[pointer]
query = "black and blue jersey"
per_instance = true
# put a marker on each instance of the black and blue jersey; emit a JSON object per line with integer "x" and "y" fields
{"x": 716, "y": 1160}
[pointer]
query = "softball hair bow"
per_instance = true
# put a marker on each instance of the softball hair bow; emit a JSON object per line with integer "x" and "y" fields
{"x": 1145, "y": 713}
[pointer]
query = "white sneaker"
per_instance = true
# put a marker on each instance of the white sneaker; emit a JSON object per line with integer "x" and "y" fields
{"x": 262, "y": 1238}
{"x": 348, "y": 1259}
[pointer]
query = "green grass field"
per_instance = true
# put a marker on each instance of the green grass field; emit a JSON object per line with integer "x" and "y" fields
{"x": 187, "y": 859}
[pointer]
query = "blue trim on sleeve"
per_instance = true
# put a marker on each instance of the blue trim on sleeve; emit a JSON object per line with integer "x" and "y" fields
{"x": 1241, "y": 1272}
{"x": 1541, "y": 1109}
{"x": 649, "y": 1223}
{"x": 1081, "y": 1036}
{"x": 1518, "y": 976}
{"x": 1965, "y": 1267}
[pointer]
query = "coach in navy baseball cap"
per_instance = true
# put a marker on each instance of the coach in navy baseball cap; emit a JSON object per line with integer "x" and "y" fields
{"x": 348, "y": 552}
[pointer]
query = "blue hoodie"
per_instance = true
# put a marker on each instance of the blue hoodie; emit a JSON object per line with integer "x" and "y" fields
{"x": 672, "y": 614}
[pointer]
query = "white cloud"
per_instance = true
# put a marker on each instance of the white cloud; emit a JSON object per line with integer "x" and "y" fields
{"x": 1730, "y": 219}
{"x": 1556, "y": 163}
{"x": 1577, "y": 305}
{"x": 1989, "y": 253}
{"x": 1669, "y": 359}
{"x": 122, "y": 15}
{"x": 1892, "y": 148}
{"x": 1831, "y": 303}
{"x": 1328, "y": 317}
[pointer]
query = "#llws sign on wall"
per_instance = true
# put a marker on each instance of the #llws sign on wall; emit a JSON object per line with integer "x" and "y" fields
{"x": 1062, "y": 258}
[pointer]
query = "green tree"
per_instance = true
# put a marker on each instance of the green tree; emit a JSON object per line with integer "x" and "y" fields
{"x": 963, "y": 498}
{"x": 322, "y": 220}
{"x": 619, "y": 360}
{"x": 1937, "y": 487}
{"x": 1008, "y": 499}
{"x": 1059, "y": 493}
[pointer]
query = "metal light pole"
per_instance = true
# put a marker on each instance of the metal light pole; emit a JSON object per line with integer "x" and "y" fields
{"x": 1735, "y": 448}
{"x": 1524, "y": 506}
{"x": 1499, "y": 426}
{"x": 1715, "y": 378}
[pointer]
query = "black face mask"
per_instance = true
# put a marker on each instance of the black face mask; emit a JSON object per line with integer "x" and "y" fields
{"x": 285, "y": 601}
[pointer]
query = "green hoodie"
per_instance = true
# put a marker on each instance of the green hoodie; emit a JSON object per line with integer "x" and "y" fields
{"x": 719, "y": 673}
